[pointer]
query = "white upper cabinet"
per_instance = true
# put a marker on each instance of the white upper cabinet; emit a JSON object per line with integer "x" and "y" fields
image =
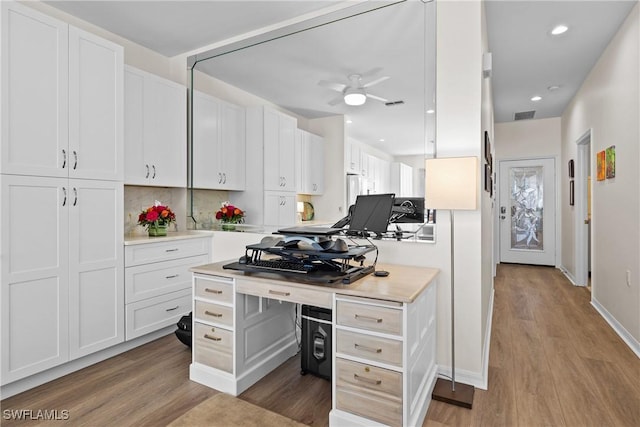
{"x": 218, "y": 144}
{"x": 61, "y": 99}
{"x": 155, "y": 130}
{"x": 352, "y": 157}
{"x": 401, "y": 179}
{"x": 95, "y": 107}
{"x": 310, "y": 163}
{"x": 279, "y": 151}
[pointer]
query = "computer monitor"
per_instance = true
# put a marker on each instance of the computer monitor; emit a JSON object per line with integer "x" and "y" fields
{"x": 371, "y": 214}
{"x": 408, "y": 209}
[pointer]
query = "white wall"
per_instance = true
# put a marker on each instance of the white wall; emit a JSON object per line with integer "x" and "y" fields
{"x": 608, "y": 104}
{"x": 527, "y": 139}
{"x": 459, "y": 130}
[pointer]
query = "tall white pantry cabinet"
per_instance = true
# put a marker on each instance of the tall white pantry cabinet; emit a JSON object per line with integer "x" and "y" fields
{"x": 61, "y": 184}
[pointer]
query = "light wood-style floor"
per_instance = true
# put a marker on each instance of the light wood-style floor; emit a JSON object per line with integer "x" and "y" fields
{"x": 553, "y": 361}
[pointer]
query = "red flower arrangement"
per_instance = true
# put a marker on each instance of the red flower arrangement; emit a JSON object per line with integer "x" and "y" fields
{"x": 230, "y": 214}
{"x": 156, "y": 215}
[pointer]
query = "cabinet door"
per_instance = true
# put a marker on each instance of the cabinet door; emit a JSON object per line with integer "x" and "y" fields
{"x": 136, "y": 170}
{"x": 313, "y": 165}
{"x": 206, "y": 142}
{"x": 279, "y": 208}
{"x": 34, "y": 274}
{"x": 352, "y": 154}
{"x": 96, "y": 265}
{"x": 165, "y": 132}
{"x": 271, "y": 128}
{"x": 96, "y": 74}
{"x": 34, "y": 99}
{"x": 232, "y": 146}
{"x": 286, "y": 152}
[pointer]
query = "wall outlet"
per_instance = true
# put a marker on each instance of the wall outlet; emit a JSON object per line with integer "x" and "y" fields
{"x": 629, "y": 278}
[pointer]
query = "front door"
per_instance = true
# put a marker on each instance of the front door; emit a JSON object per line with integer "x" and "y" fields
{"x": 527, "y": 211}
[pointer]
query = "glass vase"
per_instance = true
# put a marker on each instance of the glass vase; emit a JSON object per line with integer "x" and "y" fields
{"x": 157, "y": 230}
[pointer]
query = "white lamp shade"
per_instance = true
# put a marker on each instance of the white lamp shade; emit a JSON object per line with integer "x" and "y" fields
{"x": 354, "y": 97}
{"x": 451, "y": 183}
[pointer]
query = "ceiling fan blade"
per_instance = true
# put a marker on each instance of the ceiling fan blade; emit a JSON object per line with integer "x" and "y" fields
{"x": 371, "y": 72}
{"x": 336, "y": 101}
{"x": 338, "y": 87}
{"x": 377, "y": 98}
{"x": 376, "y": 81}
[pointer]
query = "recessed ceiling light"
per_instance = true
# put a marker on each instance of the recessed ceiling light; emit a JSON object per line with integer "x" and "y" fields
{"x": 559, "y": 29}
{"x": 381, "y": 139}
{"x": 553, "y": 88}
{"x": 349, "y": 121}
{"x": 536, "y": 98}
{"x": 431, "y": 111}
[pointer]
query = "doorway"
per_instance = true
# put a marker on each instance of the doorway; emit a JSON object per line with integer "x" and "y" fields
{"x": 528, "y": 211}
{"x": 583, "y": 210}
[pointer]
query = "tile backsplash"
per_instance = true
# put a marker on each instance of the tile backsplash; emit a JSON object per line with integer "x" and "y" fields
{"x": 205, "y": 204}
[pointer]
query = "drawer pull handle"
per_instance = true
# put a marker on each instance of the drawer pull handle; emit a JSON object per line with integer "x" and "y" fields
{"x": 171, "y": 250}
{"x": 212, "y": 338}
{"x": 173, "y": 276}
{"x": 368, "y": 318}
{"x": 367, "y": 348}
{"x": 366, "y": 380}
{"x": 172, "y": 309}
{"x": 284, "y": 294}
{"x": 210, "y": 313}
{"x": 212, "y": 291}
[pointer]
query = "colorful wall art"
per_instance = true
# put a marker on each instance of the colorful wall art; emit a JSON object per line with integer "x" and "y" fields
{"x": 600, "y": 157}
{"x": 610, "y": 155}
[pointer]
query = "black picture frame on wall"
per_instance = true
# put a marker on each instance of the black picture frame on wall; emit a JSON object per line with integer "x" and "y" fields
{"x": 571, "y": 193}
{"x": 571, "y": 169}
{"x": 488, "y": 182}
{"x": 487, "y": 147}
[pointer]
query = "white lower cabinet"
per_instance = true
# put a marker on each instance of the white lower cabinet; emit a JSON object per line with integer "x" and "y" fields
{"x": 158, "y": 282}
{"x": 61, "y": 271}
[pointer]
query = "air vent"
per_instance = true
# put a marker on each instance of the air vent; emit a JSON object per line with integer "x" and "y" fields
{"x": 392, "y": 103}
{"x": 524, "y": 115}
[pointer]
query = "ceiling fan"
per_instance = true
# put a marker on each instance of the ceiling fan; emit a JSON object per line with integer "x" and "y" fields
{"x": 353, "y": 93}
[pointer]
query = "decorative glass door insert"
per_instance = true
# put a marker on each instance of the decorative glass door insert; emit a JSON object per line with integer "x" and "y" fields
{"x": 527, "y": 208}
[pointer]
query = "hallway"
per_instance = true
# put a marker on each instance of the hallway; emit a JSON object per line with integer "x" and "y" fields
{"x": 554, "y": 361}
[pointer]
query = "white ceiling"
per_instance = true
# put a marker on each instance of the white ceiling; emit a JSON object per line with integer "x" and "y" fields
{"x": 526, "y": 60}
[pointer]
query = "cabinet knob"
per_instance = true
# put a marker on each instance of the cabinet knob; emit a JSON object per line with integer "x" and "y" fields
{"x": 147, "y": 175}
{"x": 154, "y": 171}
{"x": 64, "y": 200}
{"x": 64, "y": 158}
{"x": 75, "y": 163}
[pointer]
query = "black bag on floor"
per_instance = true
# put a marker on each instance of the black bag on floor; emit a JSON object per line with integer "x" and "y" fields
{"x": 184, "y": 330}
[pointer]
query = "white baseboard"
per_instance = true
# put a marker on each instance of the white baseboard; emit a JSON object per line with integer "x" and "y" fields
{"x": 568, "y": 275}
{"x": 633, "y": 343}
{"x": 40, "y": 378}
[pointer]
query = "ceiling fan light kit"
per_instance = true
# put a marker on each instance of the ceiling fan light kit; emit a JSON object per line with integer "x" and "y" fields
{"x": 354, "y": 96}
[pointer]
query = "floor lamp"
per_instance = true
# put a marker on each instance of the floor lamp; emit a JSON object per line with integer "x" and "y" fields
{"x": 452, "y": 183}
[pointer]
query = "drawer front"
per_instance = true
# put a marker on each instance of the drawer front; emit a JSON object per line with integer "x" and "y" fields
{"x": 152, "y": 314}
{"x": 214, "y": 313}
{"x": 369, "y": 317}
{"x": 372, "y": 348}
{"x": 213, "y": 347}
{"x": 368, "y": 378}
{"x": 309, "y": 296}
{"x": 387, "y": 412}
{"x": 150, "y": 280}
{"x": 214, "y": 290}
{"x": 163, "y": 251}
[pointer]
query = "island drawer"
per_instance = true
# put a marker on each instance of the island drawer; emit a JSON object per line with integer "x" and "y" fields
{"x": 213, "y": 347}
{"x": 369, "y": 317}
{"x": 214, "y": 290}
{"x": 316, "y": 297}
{"x": 369, "y": 347}
{"x": 214, "y": 313}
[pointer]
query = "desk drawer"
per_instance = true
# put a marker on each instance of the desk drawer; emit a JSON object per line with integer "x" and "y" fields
{"x": 368, "y": 347}
{"x": 371, "y": 392}
{"x": 213, "y": 347}
{"x": 318, "y": 298}
{"x": 369, "y": 317}
{"x": 214, "y": 290}
{"x": 214, "y": 313}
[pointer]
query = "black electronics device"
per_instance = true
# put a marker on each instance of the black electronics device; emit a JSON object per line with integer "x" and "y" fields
{"x": 316, "y": 341}
{"x": 408, "y": 209}
{"x": 371, "y": 215}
